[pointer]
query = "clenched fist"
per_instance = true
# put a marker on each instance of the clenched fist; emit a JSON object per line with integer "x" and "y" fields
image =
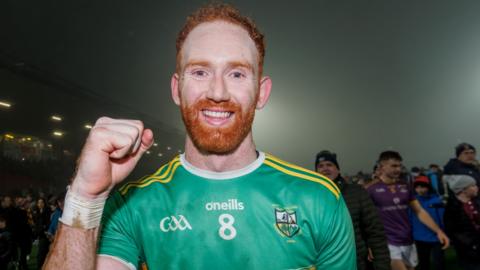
{"x": 110, "y": 153}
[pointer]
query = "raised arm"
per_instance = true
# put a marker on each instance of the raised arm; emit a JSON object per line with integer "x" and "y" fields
{"x": 111, "y": 152}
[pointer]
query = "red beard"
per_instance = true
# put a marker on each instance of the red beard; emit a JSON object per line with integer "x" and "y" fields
{"x": 217, "y": 140}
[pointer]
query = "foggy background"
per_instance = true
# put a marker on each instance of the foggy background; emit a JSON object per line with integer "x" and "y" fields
{"x": 353, "y": 77}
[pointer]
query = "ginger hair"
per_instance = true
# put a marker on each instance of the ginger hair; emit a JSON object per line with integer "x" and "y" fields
{"x": 221, "y": 12}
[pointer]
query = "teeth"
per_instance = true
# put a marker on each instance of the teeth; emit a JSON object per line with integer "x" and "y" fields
{"x": 217, "y": 114}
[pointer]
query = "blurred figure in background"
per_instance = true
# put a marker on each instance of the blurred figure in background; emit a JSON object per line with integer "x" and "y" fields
{"x": 435, "y": 174}
{"x": 7, "y": 248}
{"x": 21, "y": 232}
{"x": 462, "y": 220}
{"x": 370, "y": 239}
{"x": 57, "y": 203}
{"x": 393, "y": 198}
{"x": 464, "y": 163}
{"x": 426, "y": 241}
{"x": 41, "y": 219}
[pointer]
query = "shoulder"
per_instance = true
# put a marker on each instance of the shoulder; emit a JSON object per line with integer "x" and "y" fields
{"x": 292, "y": 172}
{"x": 373, "y": 184}
{"x": 163, "y": 175}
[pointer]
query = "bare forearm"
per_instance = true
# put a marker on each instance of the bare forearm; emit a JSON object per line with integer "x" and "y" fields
{"x": 73, "y": 248}
{"x": 425, "y": 218}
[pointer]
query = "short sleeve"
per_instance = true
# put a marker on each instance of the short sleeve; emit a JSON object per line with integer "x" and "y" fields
{"x": 338, "y": 243}
{"x": 117, "y": 238}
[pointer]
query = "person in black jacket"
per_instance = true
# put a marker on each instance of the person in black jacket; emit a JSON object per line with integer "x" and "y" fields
{"x": 462, "y": 220}
{"x": 20, "y": 230}
{"x": 6, "y": 243}
{"x": 464, "y": 163}
{"x": 370, "y": 239}
{"x": 41, "y": 218}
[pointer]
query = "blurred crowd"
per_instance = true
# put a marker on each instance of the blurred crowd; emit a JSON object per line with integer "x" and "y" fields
{"x": 405, "y": 219}
{"x": 27, "y": 220}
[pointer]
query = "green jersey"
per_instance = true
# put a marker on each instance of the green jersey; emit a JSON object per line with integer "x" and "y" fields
{"x": 268, "y": 215}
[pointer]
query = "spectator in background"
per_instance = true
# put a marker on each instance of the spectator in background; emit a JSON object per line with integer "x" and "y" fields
{"x": 6, "y": 243}
{"x": 426, "y": 240}
{"x": 393, "y": 198}
{"x": 373, "y": 177}
{"x": 41, "y": 219}
{"x": 435, "y": 174}
{"x": 370, "y": 238}
{"x": 57, "y": 202}
{"x": 464, "y": 163}
{"x": 21, "y": 231}
{"x": 462, "y": 220}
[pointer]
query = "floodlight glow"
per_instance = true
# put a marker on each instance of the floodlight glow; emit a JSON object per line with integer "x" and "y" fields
{"x": 148, "y": 152}
{"x": 87, "y": 126}
{"x": 56, "y": 118}
{"x": 8, "y": 136}
{"x": 5, "y": 104}
{"x": 160, "y": 154}
{"x": 155, "y": 144}
{"x": 58, "y": 133}
{"x": 169, "y": 148}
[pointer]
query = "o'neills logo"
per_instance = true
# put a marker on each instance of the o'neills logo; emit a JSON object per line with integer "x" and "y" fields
{"x": 231, "y": 204}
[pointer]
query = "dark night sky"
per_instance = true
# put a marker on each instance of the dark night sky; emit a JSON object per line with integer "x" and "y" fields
{"x": 354, "y": 77}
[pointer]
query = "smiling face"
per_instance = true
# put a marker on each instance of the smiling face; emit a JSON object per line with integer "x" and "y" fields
{"x": 217, "y": 87}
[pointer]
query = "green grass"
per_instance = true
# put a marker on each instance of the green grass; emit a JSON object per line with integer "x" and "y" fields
{"x": 451, "y": 259}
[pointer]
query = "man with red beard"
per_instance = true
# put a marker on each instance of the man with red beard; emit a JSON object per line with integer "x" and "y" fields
{"x": 222, "y": 204}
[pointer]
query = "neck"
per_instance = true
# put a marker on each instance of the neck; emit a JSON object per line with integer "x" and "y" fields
{"x": 242, "y": 156}
{"x": 387, "y": 180}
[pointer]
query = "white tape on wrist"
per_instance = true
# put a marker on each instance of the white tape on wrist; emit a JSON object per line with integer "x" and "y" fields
{"x": 81, "y": 212}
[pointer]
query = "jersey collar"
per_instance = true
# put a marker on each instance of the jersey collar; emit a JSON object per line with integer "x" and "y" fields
{"x": 223, "y": 175}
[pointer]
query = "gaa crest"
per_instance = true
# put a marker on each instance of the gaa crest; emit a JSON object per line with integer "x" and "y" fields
{"x": 286, "y": 222}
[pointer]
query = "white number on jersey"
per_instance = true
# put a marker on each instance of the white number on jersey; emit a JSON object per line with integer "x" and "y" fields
{"x": 227, "y": 231}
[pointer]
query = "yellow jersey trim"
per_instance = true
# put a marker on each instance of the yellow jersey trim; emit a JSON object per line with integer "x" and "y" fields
{"x": 321, "y": 180}
{"x": 286, "y": 164}
{"x": 166, "y": 177}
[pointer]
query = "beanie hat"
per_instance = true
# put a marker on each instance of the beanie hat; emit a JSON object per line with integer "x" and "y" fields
{"x": 457, "y": 183}
{"x": 326, "y": 155}
{"x": 463, "y": 147}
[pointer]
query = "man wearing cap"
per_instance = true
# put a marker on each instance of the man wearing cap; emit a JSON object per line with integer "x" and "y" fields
{"x": 464, "y": 163}
{"x": 393, "y": 199}
{"x": 462, "y": 220}
{"x": 370, "y": 238}
{"x": 426, "y": 240}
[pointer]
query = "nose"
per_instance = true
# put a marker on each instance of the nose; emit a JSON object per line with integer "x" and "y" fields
{"x": 218, "y": 90}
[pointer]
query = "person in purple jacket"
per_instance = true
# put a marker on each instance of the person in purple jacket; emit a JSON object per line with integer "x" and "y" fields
{"x": 393, "y": 200}
{"x": 426, "y": 241}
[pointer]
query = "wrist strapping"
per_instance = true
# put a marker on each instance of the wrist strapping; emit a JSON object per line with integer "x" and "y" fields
{"x": 81, "y": 212}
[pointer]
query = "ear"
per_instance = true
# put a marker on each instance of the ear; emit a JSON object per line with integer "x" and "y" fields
{"x": 265, "y": 89}
{"x": 174, "y": 88}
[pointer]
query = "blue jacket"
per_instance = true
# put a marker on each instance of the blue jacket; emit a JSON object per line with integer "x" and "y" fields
{"x": 52, "y": 229}
{"x": 434, "y": 206}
